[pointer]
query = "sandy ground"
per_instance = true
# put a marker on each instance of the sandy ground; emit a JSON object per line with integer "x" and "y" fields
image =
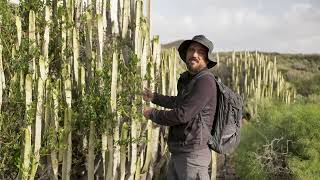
{"x": 226, "y": 169}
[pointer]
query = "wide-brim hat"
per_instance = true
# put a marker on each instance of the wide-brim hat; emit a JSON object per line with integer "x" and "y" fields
{"x": 201, "y": 39}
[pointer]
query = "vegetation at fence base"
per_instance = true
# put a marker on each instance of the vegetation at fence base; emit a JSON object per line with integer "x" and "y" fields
{"x": 281, "y": 142}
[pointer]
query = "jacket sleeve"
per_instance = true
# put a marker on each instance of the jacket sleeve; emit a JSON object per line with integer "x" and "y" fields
{"x": 164, "y": 101}
{"x": 203, "y": 91}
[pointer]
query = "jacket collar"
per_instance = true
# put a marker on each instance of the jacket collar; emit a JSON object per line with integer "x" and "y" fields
{"x": 187, "y": 75}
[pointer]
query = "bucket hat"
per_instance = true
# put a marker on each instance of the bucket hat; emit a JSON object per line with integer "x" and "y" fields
{"x": 201, "y": 39}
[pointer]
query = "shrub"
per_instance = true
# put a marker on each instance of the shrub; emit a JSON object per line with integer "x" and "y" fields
{"x": 282, "y": 142}
{"x": 307, "y": 85}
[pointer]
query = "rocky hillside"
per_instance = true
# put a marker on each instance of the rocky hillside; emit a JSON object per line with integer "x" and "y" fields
{"x": 302, "y": 70}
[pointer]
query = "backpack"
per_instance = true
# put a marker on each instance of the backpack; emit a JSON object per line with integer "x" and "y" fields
{"x": 225, "y": 133}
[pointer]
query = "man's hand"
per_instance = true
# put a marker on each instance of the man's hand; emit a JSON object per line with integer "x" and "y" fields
{"x": 147, "y": 112}
{"x": 147, "y": 95}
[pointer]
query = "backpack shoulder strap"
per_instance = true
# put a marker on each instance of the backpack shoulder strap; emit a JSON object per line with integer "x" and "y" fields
{"x": 203, "y": 73}
{"x": 199, "y": 75}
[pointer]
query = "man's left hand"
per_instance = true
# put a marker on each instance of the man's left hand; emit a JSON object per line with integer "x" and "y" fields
{"x": 147, "y": 112}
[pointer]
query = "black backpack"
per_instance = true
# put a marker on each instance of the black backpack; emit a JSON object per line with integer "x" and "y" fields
{"x": 225, "y": 133}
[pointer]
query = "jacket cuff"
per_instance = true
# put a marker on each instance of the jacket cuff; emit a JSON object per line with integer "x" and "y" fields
{"x": 155, "y": 98}
{"x": 153, "y": 115}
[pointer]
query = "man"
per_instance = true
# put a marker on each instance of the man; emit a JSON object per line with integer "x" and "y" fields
{"x": 194, "y": 105}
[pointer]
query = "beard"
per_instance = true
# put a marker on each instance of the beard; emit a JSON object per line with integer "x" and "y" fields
{"x": 193, "y": 68}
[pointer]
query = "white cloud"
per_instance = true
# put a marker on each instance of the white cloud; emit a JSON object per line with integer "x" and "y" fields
{"x": 239, "y": 17}
{"x": 187, "y": 20}
{"x": 286, "y": 26}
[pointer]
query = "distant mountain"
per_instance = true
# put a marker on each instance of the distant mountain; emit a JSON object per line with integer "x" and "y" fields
{"x": 174, "y": 44}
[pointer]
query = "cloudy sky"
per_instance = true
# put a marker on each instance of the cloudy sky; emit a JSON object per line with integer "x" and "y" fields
{"x": 291, "y": 26}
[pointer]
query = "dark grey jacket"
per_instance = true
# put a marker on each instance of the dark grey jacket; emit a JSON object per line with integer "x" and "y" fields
{"x": 195, "y": 104}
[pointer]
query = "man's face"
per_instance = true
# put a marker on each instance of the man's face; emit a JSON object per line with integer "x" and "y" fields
{"x": 196, "y": 58}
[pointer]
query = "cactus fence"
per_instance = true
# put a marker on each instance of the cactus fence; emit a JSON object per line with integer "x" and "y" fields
{"x": 71, "y": 83}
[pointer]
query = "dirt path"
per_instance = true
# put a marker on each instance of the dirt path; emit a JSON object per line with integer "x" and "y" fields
{"x": 226, "y": 168}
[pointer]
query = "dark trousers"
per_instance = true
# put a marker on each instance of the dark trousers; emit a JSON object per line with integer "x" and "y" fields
{"x": 190, "y": 166}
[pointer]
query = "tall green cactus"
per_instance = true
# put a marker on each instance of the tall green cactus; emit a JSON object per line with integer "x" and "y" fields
{"x": 134, "y": 136}
{"x": 145, "y": 60}
{"x": 91, "y": 148}
{"x": 32, "y": 42}
{"x": 113, "y": 105}
{"x": 19, "y": 31}
{"x": 138, "y": 170}
{"x": 155, "y": 64}
{"x": 2, "y": 78}
{"x": 124, "y": 136}
{"x": 45, "y": 49}
{"x": 75, "y": 43}
{"x": 137, "y": 41}
{"x": 213, "y": 165}
{"x": 67, "y": 153}
{"x": 100, "y": 42}
{"x": 125, "y": 18}
{"x": 38, "y": 120}
{"x": 27, "y": 132}
{"x": 55, "y": 126}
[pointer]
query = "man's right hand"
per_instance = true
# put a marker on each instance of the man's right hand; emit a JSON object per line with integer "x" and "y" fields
{"x": 147, "y": 95}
